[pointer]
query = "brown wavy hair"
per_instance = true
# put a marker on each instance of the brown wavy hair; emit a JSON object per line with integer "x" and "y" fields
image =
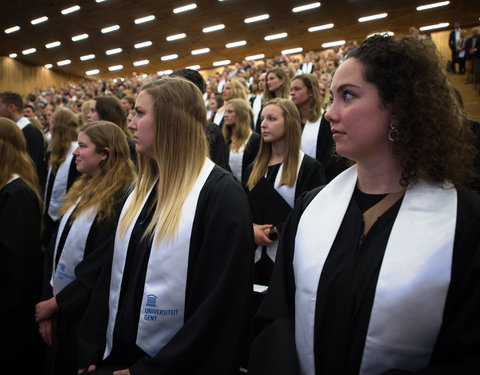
{"x": 434, "y": 142}
{"x": 109, "y": 108}
{"x": 117, "y": 172}
{"x": 241, "y": 129}
{"x": 315, "y": 101}
{"x": 65, "y": 131}
{"x": 280, "y": 73}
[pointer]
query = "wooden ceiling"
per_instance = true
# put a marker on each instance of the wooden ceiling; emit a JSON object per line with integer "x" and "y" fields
{"x": 93, "y": 16}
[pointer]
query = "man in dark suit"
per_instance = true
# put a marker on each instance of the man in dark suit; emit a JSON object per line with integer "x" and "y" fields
{"x": 472, "y": 55}
{"x": 452, "y": 43}
{"x": 11, "y": 106}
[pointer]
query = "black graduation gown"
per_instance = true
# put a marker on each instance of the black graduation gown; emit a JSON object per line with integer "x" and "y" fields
{"x": 36, "y": 148}
{"x": 219, "y": 280}
{"x": 333, "y": 165}
{"x": 348, "y": 281}
{"x": 20, "y": 276}
{"x": 73, "y": 299}
{"x": 249, "y": 155}
{"x": 216, "y": 143}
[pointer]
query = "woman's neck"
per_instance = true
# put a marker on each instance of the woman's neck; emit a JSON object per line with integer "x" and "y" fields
{"x": 278, "y": 152}
{"x": 304, "y": 110}
{"x": 381, "y": 179}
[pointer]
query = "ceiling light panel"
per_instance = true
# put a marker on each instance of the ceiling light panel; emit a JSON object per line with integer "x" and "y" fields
{"x": 432, "y": 27}
{"x": 292, "y": 50}
{"x": 320, "y": 27}
{"x": 200, "y": 51}
{"x": 171, "y": 38}
{"x": 109, "y": 29}
{"x": 92, "y": 72}
{"x": 36, "y": 21}
{"x": 12, "y": 55}
{"x": 113, "y": 51}
{"x": 64, "y": 62}
{"x": 255, "y": 57}
{"x": 70, "y": 10}
{"x": 169, "y": 57}
{"x": 29, "y": 51}
{"x": 221, "y": 63}
{"x": 141, "y": 62}
{"x": 185, "y": 8}
{"x": 433, "y": 5}
{"x": 12, "y": 29}
{"x": 236, "y": 44}
{"x": 372, "y": 17}
{"x": 115, "y": 67}
{"x": 209, "y": 29}
{"x": 76, "y": 38}
{"x": 305, "y": 7}
{"x": 276, "y": 36}
{"x": 333, "y": 44}
{"x": 144, "y": 19}
{"x": 87, "y": 57}
{"x": 261, "y": 17}
{"x": 148, "y": 43}
{"x": 52, "y": 44}
{"x": 48, "y": 66}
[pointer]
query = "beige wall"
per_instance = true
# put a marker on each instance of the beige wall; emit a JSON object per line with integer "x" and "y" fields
{"x": 22, "y": 78}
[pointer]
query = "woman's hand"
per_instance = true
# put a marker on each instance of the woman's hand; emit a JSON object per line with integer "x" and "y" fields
{"x": 122, "y": 372}
{"x": 45, "y": 330}
{"x": 45, "y": 309}
{"x": 261, "y": 234}
{"x": 91, "y": 369}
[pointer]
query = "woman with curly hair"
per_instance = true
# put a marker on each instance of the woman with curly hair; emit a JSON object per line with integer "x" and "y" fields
{"x": 378, "y": 271}
{"x": 243, "y": 144}
{"x": 87, "y": 224}
{"x": 61, "y": 166}
{"x": 20, "y": 251}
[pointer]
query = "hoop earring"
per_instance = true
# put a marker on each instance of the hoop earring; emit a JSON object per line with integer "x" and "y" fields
{"x": 393, "y": 134}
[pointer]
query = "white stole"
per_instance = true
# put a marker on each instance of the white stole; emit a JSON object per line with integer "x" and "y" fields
{"x": 288, "y": 194}
{"x": 22, "y": 122}
{"x": 59, "y": 184}
{"x": 217, "y": 119}
{"x": 413, "y": 281}
{"x": 163, "y": 303}
{"x": 74, "y": 247}
{"x": 235, "y": 159}
{"x": 257, "y": 106}
{"x": 310, "y": 137}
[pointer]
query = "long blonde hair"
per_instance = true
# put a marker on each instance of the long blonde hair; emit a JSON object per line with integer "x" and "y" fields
{"x": 14, "y": 157}
{"x": 179, "y": 149}
{"x": 241, "y": 129}
{"x": 239, "y": 91}
{"x": 65, "y": 131}
{"x": 292, "y": 136}
{"x": 117, "y": 172}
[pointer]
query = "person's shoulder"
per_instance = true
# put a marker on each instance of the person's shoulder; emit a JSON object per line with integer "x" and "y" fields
{"x": 468, "y": 204}
{"x": 18, "y": 190}
{"x": 309, "y": 161}
{"x": 222, "y": 183}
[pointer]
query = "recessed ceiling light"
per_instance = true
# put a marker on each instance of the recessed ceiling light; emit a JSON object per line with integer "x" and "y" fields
{"x": 109, "y": 29}
{"x": 372, "y": 17}
{"x": 144, "y": 19}
{"x": 167, "y": 72}
{"x": 169, "y": 57}
{"x": 306, "y": 7}
{"x": 209, "y": 29}
{"x": 92, "y": 72}
{"x": 433, "y": 5}
{"x": 115, "y": 67}
{"x": 113, "y": 51}
{"x": 12, "y": 55}
{"x": 236, "y": 44}
{"x": 76, "y": 38}
{"x": 200, "y": 51}
{"x": 148, "y": 43}
{"x": 36, "y": 21}
{"x": 70, "y": 10}
{"x": 220, "y": 63}
{"x": 333, "y": 44}
{"x": 53, "y": 44}
{"x": 29, "y": 51}
{"x": 437, "y": 26}
{"x": 185, "y": 8}
{"x": 194, "y": 67}
{"x": 292, "y": 50}
{"x": 87, "y": 57}
{"x": 176, "y": 37}
{"x": 255, "y": 57}
{"x": 141, "y": 62}
{"x": 12, "y": 29}
{"x": 64, "y": 62}
{"x": 257, "y": 18}
{"x": 276, "y": 36}
{"x": 321, "y": 27}
{"x": 48, "y": 66}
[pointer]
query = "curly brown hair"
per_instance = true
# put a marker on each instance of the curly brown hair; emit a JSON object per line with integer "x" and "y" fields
{"x": 434, "y": 142}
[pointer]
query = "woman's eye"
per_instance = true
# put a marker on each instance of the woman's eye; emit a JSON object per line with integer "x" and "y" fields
{"x": 347, "y": 95}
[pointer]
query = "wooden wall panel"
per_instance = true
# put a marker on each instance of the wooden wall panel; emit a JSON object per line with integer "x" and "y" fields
{"x": 22, "y": 78}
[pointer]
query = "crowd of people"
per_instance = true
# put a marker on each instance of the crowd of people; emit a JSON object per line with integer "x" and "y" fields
{"x": 293, "y": 216}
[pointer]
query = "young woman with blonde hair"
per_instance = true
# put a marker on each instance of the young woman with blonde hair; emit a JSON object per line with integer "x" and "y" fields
{"x": 87, "y": 224}
{"x": 317, "y": 138}
{"x": 243, "y": 144}
{"x": 280, "y": 173}
{"x": 233, "y": 89}
{"x": 20, "y": 250}
{"x": 61, "y": 166}
{"x": 173, "y": 297}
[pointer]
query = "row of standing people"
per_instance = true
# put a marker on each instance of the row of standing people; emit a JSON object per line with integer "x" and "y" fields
{"x": 174, "y": 291}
